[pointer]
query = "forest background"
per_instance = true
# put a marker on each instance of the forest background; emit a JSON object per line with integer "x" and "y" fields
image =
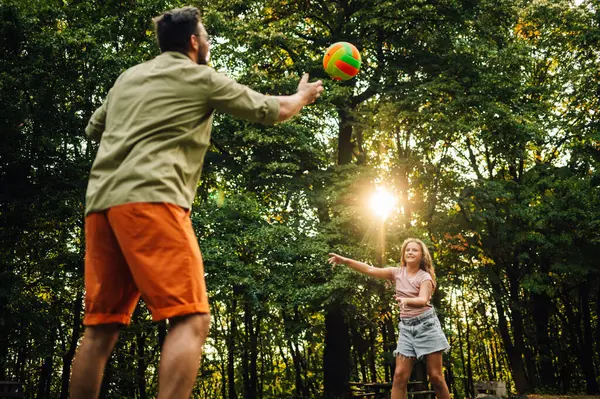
{"x": 479, "y": 116}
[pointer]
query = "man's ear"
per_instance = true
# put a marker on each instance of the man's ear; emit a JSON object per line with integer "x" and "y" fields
{"x": 195, "y": 42}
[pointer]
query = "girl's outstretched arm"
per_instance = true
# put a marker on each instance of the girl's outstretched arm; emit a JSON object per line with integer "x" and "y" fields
{"x": 378, "y": 272}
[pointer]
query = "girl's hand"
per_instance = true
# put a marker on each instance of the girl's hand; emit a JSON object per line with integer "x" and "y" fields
{"x": 401, "y": 302}
{"x": 335, "y": 259}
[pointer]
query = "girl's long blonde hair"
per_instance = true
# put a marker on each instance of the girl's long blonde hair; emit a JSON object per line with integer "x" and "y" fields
{"x": 426, "y": 263}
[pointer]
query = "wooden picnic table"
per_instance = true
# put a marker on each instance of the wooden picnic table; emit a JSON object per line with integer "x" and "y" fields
{"x": 381, "y": 389}
{"x": 495, "y": 388}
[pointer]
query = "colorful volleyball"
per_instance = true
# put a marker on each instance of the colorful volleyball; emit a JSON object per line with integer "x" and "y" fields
{"x": 341, "y": 61}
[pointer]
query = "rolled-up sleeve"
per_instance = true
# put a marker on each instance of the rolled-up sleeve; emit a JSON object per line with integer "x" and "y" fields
{"x": 228, "y": 96}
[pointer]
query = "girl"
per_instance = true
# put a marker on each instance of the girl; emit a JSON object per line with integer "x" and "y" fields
{"x": 420, "y": 331}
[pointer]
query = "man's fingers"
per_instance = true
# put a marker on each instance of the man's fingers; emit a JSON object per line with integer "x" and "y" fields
{"x": 304, "y": 78}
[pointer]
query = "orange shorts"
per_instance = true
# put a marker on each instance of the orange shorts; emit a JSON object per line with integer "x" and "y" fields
{"x": 146, "y": 249}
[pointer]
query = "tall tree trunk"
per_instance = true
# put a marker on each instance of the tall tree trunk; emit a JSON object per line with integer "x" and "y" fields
{"x": 449, "y": 372}
{"x": 304, "y": 365}
{"x": 231, "y": 350}
{"x": 45, "y": 377}
{"x": 254, "y": 355}
{"x": 487, "y": 356}
{"x": 419, "y": 373}
{"x": 514, "y": 357}
{"x": 598, "y": 321}
{"x": 360, "y": 364}
{"x": 285, "y": 362}
{"x": 3, "y": 359}
{"x": 469, "y": 388}
{"x": 389, "y": 340}
{"x": 503, "y": 365}
{"x": 121, "y": 349}
{"x": 246, "y": 352}
{"x": 68, "y": 357}
{"x": 567, "y": 346}
{"x": 19, "y": 368}
{"x": 587, "y": 346}
{"x": 336, "y": 356}
{"x": 161, "y": 336}
{"x": 345, "y": 146}
{"x": 495, "y": 359}
{"x": 310, "y": 390}
{"x": 224, "y": 378}
{"x": 462, "y": 357}
{"x": 386, "y": 367}
{"x": 371, "y": 356}
{"x": 141, "y": 366}
{"x": 250, "y": 353}
{"x": 360, "y": 350}
{"x": 541, "y": 317}
{"x": 263, "y": 353}
{"x": 518, "y": 328}
{"x": 222, "y": 363}
{"x": 574, "y": 322}
{"x": 296, "y": 358}
{"x": 47, "y": 391}
{"x": 480, "y": 368}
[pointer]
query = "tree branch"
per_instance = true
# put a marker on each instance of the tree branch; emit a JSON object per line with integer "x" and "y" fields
{"x": 473, "y": 159}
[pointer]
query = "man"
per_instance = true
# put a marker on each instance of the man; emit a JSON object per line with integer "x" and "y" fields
{"x": 154, "y": 129}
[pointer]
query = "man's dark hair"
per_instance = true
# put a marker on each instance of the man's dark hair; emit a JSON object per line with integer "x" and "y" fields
{"x": 174, "y": 28}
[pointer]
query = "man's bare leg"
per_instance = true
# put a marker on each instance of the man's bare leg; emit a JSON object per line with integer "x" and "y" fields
{"x": 90, "y": 360}
{"x": 180, "y": 356}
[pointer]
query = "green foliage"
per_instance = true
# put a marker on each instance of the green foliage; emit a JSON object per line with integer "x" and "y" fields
{"x": 481, "y": 116}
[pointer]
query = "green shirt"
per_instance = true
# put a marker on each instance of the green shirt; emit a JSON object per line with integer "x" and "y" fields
{"x": 154, "y": 129}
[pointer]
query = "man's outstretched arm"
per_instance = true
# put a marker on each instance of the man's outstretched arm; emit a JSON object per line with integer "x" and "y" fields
{"x": 307, "y": 94}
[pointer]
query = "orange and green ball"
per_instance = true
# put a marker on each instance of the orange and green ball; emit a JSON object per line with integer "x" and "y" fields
{"x": 341, "y": 61}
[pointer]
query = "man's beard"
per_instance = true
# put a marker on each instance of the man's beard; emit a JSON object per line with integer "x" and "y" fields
{"x": 203, "y": 54}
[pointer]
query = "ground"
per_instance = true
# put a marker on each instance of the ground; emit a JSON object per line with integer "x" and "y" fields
{"x": 562, "y": 397}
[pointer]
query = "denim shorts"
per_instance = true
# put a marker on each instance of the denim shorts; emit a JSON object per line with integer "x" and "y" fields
{"x": 421, "y": 335}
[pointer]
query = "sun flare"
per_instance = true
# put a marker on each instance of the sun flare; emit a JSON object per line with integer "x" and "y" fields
{"x": 382, "y": 202}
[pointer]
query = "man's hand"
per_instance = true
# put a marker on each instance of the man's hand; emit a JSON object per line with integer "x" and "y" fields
{"x": 309, "y": 91}
{"x": 307, "y": 94}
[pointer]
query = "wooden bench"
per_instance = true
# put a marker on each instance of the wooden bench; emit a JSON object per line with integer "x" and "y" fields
{"x": 381, "y": 390}
{"x": 429, "y": 394}
{"x": 361, "y": 390}
{"x": 493, "y": 388}
{"x": 11, "y": 389}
